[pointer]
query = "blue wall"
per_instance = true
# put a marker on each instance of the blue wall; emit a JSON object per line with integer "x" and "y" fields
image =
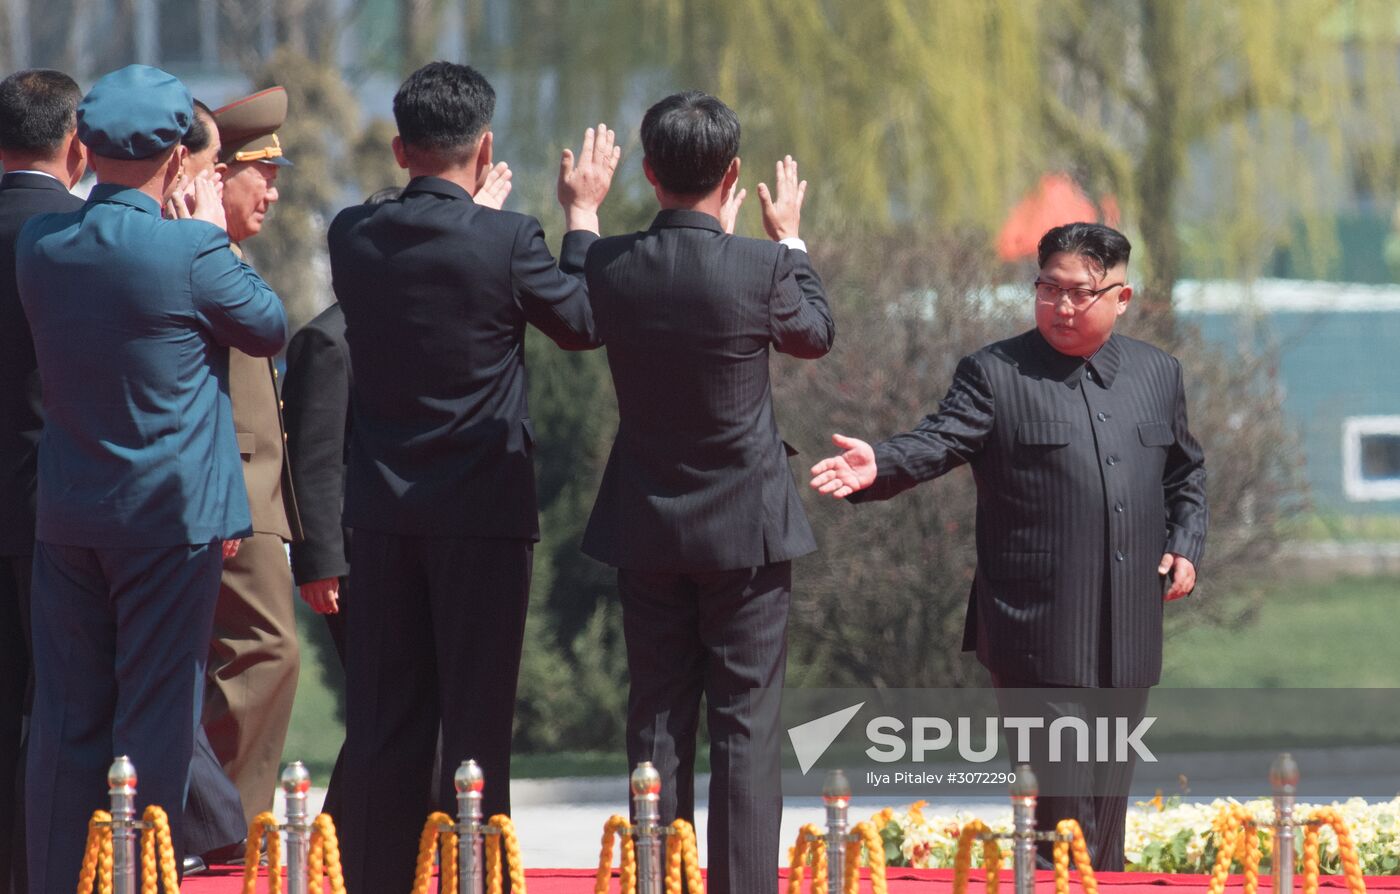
{"x": 1333, "y": 365}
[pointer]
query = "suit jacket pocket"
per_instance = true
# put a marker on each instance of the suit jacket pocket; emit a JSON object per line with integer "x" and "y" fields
{"x": 1155, "y": 434}
{"x": 1043, "y": 434}
{"x": 1017, "y": 566}
{"x": 247, "y": 444}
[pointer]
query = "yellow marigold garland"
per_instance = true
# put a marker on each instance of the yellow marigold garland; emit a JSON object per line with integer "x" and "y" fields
{"x": 156, "y": 835}
{"x": 263, "y": 826}
{"x": 627, "y": 871}
{"x": 1236, "y": 838}
{"x": 810, "y": 847}
{"x": 1070, "y": 828}
{"x": 439, "y": 836}
{"x": 1346, "y": 849}
{"x": 325, "y": 856}
{"x": 962, "y": 859}
{"x": 97, "y": 855}
{"x": 681, "y": 851}
{"x": 864, "y": 835}
{"x": 504, "y": 840}
{"x": 157, "y": 854}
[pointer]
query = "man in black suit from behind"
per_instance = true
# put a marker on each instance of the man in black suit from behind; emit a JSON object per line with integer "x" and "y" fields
{"x": 697, "y": 509}
{"x": 43, "y": 158}
{"x": 440, "y": 490}
{"x": 1091, "y": 507}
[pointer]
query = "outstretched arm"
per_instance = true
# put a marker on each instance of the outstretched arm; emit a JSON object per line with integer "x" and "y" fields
{"x": 939, "y": 444}
{"x": 852, "y": 470}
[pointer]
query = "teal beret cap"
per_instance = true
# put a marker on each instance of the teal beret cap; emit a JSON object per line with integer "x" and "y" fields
{"x": 134, "y": 112}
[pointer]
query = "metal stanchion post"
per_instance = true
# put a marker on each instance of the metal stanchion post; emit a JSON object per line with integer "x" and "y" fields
{"x": 1023, "y": 794}
{"x": 121, "y": 787}
{"x": 646, "y": 804}
{"x": 1283, "y": 776}
{"x": 470, "y": 781}
{"x": 296, "y": 782}
{"x": 836, "y": 794}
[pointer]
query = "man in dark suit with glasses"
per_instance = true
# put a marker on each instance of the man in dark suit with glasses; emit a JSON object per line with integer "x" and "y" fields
{"x": 1091, "y": 504}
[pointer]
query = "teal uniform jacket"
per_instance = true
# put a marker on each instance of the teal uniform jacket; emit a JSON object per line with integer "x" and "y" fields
{"x": 132, "y": 316}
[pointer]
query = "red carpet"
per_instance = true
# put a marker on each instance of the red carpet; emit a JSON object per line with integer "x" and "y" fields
{"x": 902, "y": 881}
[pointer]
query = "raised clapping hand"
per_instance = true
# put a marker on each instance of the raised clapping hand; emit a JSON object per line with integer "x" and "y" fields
{"x": 843, "y": 475}
{"x": 729, "y": 208}
{"x": 782, "y": 207}
{"x": 583, "y": 184}
{"x": 492, "y": 192}
{"x": 1180, "y": 572}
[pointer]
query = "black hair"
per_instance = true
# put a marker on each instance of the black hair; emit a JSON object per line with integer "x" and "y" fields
{"x": 38, "y": 109}
{"x": 198, "y": 137}
{"x": 1104, "y": 247}
{"x": 689, "y": 139}
{"x": 443, "y": 108}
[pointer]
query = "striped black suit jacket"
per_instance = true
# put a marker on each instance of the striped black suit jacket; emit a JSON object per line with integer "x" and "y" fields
{"x": 23, "y": 194}
{"x": 437, "y": 292}
{"x": 698, "y": 479}
{"x": 1086, "y": 473}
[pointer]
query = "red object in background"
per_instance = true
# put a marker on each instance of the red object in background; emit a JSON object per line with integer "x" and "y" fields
{"x": 1057, "y": 200}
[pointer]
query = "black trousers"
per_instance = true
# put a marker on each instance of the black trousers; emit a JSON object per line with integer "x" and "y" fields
{"x": 433, "y": 641}
{"x": 120, "y": 640}
{"x": 1096, "y": 794}
{"x": 722, "y": 635}
{"x": 335, "y": 625}
{"x": 213, "y": 809}
{"x": 16, "y": 682}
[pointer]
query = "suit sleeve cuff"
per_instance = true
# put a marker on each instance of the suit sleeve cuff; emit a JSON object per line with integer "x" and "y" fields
{"x": 1184, "y": 542}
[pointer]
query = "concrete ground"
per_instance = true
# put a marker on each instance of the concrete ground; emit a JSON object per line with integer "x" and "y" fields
{"x": 560, "y": 821}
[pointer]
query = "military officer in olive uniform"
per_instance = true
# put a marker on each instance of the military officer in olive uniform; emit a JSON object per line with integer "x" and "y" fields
{"x": 139, "y": 490}
{"x": 253, "y": 657}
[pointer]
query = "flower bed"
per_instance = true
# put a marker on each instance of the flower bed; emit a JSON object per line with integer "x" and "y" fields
{"x": 1161, "y": 836}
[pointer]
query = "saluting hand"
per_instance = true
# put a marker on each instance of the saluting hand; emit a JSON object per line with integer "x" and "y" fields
{"x": 843, "y": 475}
{"x": 175, "y": 206}
{"x": 207, "y": 199}
{"x": 584, "y": 184}
{"x": 782, "y": 207}
{"x": 494, "y": 188}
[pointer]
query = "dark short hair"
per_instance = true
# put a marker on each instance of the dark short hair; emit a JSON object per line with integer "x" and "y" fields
{"x": 1104, "y": 247}
{"x": 443, "y": 107}
{"x": 689, "y": 139}
{"x": 38, "y": 109}
{"x": 198, "y": 137}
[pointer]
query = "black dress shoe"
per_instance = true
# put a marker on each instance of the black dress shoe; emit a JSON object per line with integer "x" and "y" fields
{"x": 229, "y": 855}
{"x": 192, "y": 865}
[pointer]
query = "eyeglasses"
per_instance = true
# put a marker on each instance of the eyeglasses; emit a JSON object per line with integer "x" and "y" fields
{"x": 1079, "y": 298}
